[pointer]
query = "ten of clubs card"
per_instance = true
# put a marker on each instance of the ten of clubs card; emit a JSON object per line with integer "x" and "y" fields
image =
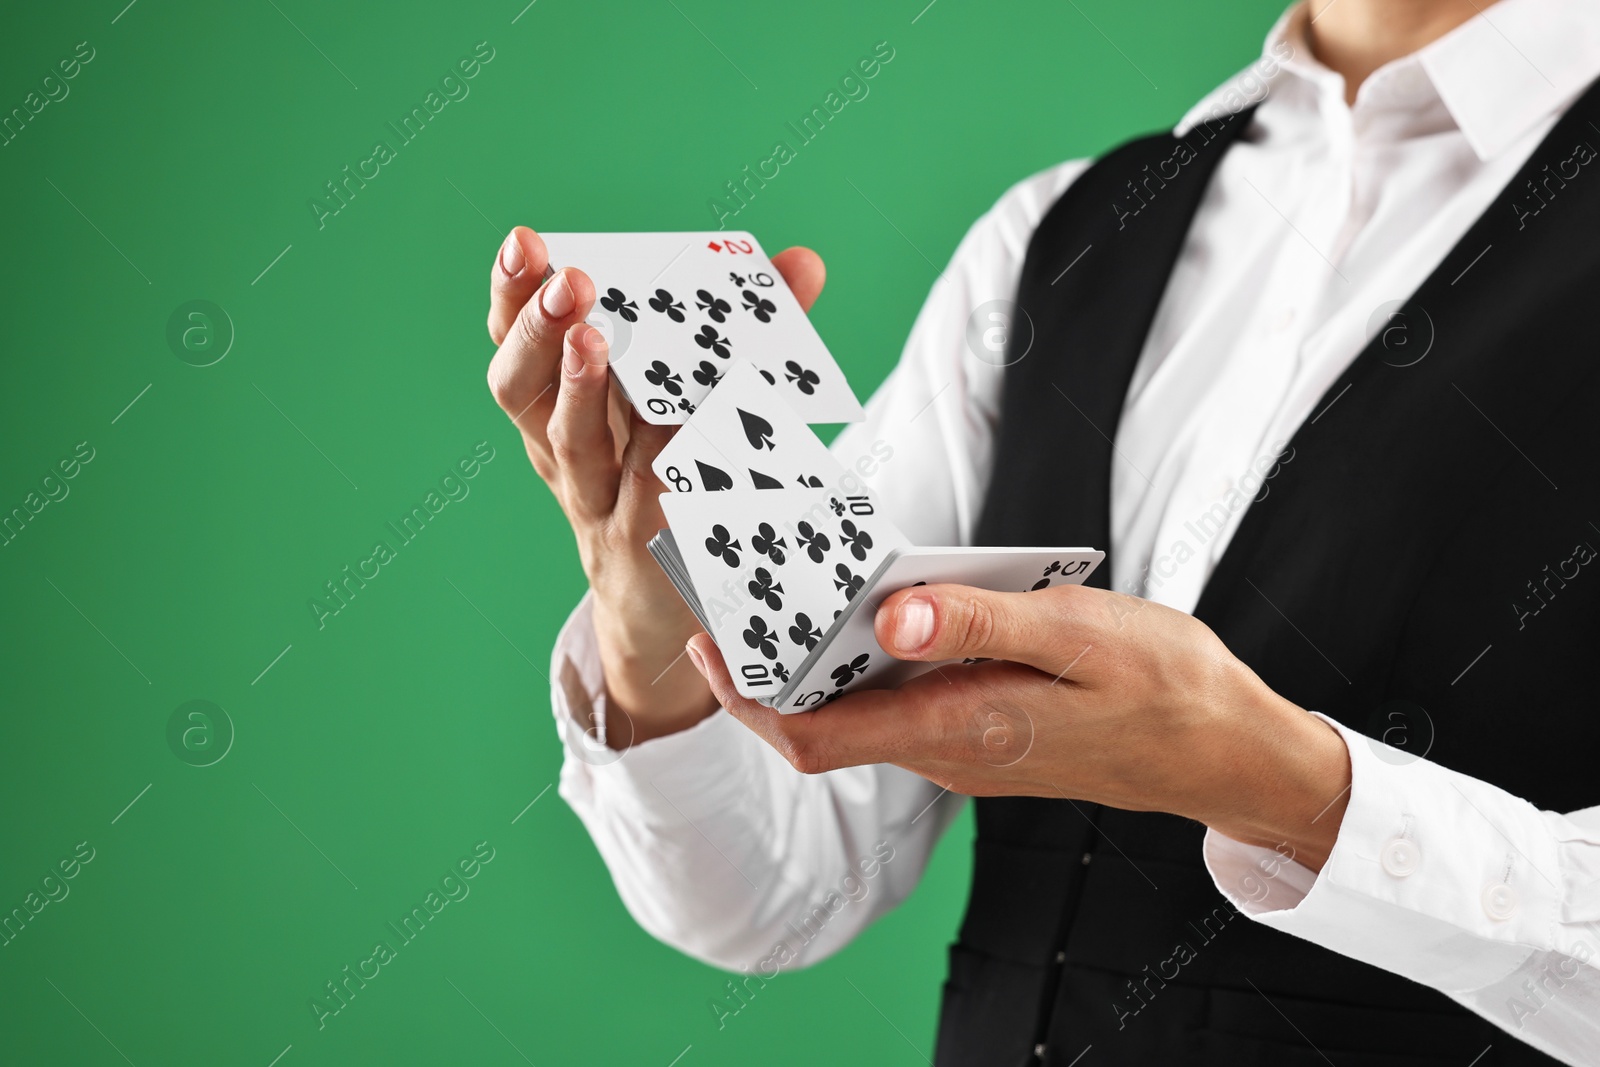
{"x": 788, "y": 582}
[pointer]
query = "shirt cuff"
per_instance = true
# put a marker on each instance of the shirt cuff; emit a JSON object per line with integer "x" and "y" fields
{"x": 667, "y": 781}
{"x": 1435, "y": 875}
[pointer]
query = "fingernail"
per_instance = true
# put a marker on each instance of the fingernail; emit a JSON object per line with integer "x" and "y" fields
{"x": 913, "y": 623}
{"x": 511, "y": 256}
{"x": 571, "y": 362}
{"x": 694, "y": 657}
{"x": 557, "y": 300}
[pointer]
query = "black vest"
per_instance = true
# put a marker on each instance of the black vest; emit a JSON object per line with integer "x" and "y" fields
{"x": 1412, "y": 565}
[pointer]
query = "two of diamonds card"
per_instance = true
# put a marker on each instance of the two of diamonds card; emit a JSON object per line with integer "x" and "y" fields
{"x": 677, "y": 308}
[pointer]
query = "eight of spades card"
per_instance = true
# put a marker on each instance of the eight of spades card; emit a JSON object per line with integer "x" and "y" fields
{"x": 746, "y": 436}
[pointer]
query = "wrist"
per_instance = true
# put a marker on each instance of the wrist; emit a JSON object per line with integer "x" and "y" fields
{"x": 1285, "y": 781}
{"x": 651, "y": 687}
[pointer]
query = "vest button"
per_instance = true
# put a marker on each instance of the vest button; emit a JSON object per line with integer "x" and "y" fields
{"x": 1061, "y": 957}
{"x": 1400, "y": 857}
{"x": 1038, "y": 1052}
{"x": 1088, "y": 857}
{"x": 1499, "y": 902}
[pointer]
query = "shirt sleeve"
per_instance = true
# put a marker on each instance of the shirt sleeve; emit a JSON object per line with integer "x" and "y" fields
{"x": 1453, "y": 883}
{"x": 717, "y": 846}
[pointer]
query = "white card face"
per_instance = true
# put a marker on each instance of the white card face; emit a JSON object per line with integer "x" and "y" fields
{"x": 851, "y": 658}
{"x": 772, "y": 569}
{"x": 678, "y": 308}
{"x": 744, "y": 435}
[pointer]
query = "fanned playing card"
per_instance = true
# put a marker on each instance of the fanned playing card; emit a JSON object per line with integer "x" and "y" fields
{"x": 677, "y": 308}
{"x": 849, "y": 656}
{"x": 745, "y": 435}
{"x": 768, "y": 571}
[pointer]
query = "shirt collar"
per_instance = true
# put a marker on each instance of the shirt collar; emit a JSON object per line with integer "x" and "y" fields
{"x": 1498, "y": 74}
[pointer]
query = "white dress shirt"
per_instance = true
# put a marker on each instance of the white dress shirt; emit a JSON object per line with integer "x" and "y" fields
{"x": 1315, "y": 222}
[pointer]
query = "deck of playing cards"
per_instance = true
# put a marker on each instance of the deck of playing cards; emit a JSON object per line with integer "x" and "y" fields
{"x": 781, "y": 552}
{"x": 785, "y": 556}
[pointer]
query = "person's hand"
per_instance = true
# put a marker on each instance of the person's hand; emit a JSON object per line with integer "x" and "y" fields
{"x": 550, "y": 376}
{"x": 1086, "y": 694}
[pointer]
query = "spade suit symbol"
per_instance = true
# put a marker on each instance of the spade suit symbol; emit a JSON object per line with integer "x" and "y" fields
{"x": 713, "y": 478}
{"x": 764, "y": 481}
{"x": 757, "y": 431}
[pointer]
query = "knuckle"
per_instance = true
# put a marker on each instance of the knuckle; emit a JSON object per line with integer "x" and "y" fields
{"x": 975, "y": 625}
{"x": 638, "y": 475}
{"x": 562, "y": 448}
{"x": 512, "y": 387}
{"x": 529, "y": 329}
{"x": 503, "y": 387}
{"x": 804, "y": 755}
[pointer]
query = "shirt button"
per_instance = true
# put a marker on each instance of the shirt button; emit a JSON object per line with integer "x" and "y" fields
{"x": 1400, "y": 857}
{"x": 1499, "y": 902}
{"x": 1283, "y": 320}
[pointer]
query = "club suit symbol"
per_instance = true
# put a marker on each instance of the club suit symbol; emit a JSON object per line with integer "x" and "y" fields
{"x": 709, "y": 339}
{"x": 767, "y": 542}
{"x": 858, "y": 540}
{"x": 715, "y": 307}
{"x": 804, "y": 631}
{"x": 759, "y": 306}
{"x": 667, "y": 304}
{"x": 814, "y": 541}
{"x": 764, "y": 589}
{"x": 616, "y": 302}
{"x": 804, "y": 380}
{"x": 846, "y": 673}
{"x": 706, "y": 374}
{"x": 846, "y": 582}
{"x": 722, "y": 545}
{"x": 757, "y": 636}
{"x": 660, "y": 375}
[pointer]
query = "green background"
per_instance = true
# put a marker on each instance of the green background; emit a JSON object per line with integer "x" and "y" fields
{"x": 377, "y": 751}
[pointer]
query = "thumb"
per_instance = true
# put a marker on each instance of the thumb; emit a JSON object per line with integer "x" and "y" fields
{"x": 937, "y": 622}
